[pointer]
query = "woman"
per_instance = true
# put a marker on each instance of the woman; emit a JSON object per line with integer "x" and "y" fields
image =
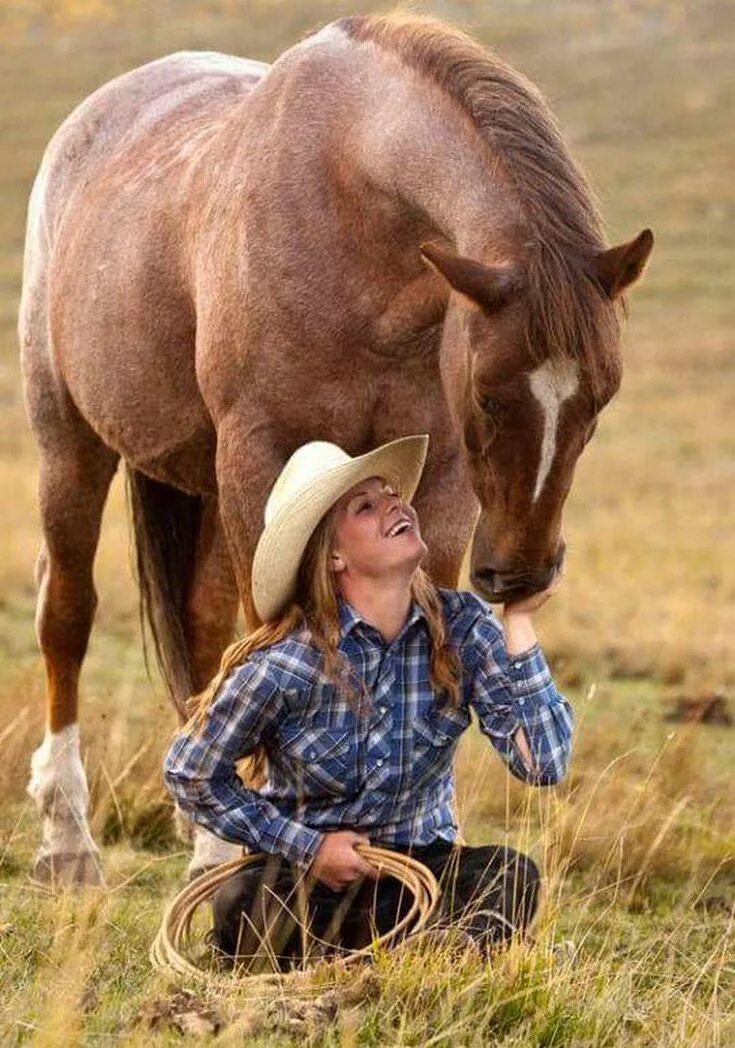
{"x": 354, "y": 694}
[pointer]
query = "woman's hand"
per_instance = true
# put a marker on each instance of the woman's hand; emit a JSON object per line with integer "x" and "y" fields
{"x": 337, "y": 864}
{"x": 530, "y": 604}
{"x": 520, "y": 635}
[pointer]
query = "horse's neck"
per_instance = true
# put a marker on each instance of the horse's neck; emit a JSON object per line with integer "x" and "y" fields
{"x": 404, "y": 133}
{"x": 426, "y": 152}
{"x": 425, "y": 156}
{"x": 412, "y": 168}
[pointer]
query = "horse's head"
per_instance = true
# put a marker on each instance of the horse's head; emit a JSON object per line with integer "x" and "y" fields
{"x": 528, "y": 363}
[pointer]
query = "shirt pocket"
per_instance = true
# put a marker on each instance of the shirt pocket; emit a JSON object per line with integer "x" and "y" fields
{"x": 322, "y": 760}
{"x": 441, "y": 727}
{"x": 435, "y": 735}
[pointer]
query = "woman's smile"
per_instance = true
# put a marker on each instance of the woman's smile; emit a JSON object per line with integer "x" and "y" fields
{"x": 400, "y": 529}
{"x": 403, "y": 524}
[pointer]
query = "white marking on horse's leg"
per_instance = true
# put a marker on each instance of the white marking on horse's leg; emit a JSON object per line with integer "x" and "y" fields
{"x": 551, "y": 383}
{"x": 58, "y": 785}
{"x": 211, "y": 851}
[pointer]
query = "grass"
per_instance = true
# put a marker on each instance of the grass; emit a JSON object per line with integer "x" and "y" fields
{"x": 637, "y": 852}
{"x": 637, "y": 845}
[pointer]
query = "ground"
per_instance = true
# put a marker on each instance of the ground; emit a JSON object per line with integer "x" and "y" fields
{"x": 634, "y": 941}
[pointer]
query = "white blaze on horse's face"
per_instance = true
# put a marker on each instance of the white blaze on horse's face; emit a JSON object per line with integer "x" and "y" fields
{"x": 551, "y": 383}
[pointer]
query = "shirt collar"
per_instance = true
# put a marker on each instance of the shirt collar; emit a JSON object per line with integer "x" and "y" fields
{"x": 349, "y": 617}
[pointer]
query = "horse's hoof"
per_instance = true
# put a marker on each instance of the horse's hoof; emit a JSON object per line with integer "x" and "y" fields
{"x": 66, "y": 870}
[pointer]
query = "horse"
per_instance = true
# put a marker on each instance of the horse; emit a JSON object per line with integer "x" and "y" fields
{"x": 382, "y": 233}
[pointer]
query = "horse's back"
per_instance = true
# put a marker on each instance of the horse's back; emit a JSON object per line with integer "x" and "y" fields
{"x": 132, "y": 111}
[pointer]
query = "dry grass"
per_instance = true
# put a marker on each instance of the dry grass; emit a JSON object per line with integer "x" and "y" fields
{"x": 637, "y": 845}
{"x": 632, "y": 945}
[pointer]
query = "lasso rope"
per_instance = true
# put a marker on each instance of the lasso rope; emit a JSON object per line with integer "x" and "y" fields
{"x": 175, "y": 938}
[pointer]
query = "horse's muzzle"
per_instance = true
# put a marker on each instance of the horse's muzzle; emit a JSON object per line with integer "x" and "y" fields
{"x": 505, "y": 587}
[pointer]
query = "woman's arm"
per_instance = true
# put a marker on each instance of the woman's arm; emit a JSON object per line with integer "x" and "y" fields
{"x": 514, "y": 695}
{"x": 199, "y": 769}
{"x": 520, "y": 636}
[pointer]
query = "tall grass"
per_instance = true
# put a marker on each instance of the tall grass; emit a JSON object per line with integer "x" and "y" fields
{"x": 632, "y": 944}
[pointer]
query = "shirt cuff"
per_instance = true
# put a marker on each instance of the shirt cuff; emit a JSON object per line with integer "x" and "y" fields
{"x": 518, "y": 661}
{"x": 530, "y": 676}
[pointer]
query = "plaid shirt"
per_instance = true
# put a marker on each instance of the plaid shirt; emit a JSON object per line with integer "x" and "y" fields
{"x": 385, "y": 771}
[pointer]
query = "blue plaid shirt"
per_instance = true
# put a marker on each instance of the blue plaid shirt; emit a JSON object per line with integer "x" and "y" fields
{"x": 385, "y": 772}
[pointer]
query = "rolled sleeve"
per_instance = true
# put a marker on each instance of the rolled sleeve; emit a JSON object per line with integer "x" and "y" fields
{"x": 199, "y": 768}
{"x": 517, "y": 691}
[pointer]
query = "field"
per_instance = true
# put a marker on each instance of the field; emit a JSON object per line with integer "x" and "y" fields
{"x": 635, "y": 942}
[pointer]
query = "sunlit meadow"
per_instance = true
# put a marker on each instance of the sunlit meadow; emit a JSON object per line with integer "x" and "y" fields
{"x": 634, "y": 943}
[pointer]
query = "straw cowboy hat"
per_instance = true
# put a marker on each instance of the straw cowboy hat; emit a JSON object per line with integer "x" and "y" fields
{"x": 316, "y": 475}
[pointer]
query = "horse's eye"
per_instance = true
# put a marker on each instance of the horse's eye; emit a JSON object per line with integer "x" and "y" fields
{"x": 490, "y": 408}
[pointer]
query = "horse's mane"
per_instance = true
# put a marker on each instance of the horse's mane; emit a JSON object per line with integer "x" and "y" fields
{"x": 564, "y": 225}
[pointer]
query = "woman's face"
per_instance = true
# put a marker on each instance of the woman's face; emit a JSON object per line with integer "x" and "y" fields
{"x": 375, "y": 533}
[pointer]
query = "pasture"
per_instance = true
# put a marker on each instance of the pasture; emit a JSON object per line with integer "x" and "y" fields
{"x": 634, "y": 944}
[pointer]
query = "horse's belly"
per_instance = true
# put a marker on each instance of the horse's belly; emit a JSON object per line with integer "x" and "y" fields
{"x": 189, "y": 465}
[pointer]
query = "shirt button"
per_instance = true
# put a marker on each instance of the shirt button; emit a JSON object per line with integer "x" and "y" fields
{"x": 380, "y": 762}
{"x": 521, "y": 701}
{"x": 516, "y": 665}
{"x": 382, "y": 709}
{"x": 311, "y": 755}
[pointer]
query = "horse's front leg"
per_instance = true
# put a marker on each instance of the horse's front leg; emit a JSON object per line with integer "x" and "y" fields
{"x": 447, "y": 510}
{"x": 248, "y": 463}
{"x": 246, "y": 467}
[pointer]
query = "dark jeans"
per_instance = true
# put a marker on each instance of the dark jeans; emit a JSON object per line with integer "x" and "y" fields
{"x": 489, "y": 891}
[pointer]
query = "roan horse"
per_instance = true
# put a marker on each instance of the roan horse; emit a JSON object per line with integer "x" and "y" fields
{"x": 383, "y": 233}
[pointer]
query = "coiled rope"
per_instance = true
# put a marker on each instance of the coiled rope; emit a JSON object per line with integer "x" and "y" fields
{"x": 172, "y": 948}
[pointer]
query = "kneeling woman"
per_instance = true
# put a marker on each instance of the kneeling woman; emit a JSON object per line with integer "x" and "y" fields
{"x": 353, "y": 696}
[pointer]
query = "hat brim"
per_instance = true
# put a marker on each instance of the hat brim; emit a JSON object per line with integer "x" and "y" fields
{"x": 283, "y": 541}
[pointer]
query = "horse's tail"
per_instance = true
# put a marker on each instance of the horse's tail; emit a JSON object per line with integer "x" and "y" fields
{"x": 165, "y": 524}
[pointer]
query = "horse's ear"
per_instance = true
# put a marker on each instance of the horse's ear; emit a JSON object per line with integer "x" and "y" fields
{"x": 619, "y": 267}
{"x": 491, "y": 287}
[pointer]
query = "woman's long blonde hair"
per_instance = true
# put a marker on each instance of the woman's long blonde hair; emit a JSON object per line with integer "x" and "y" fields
{"x": 316, "y": 605}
